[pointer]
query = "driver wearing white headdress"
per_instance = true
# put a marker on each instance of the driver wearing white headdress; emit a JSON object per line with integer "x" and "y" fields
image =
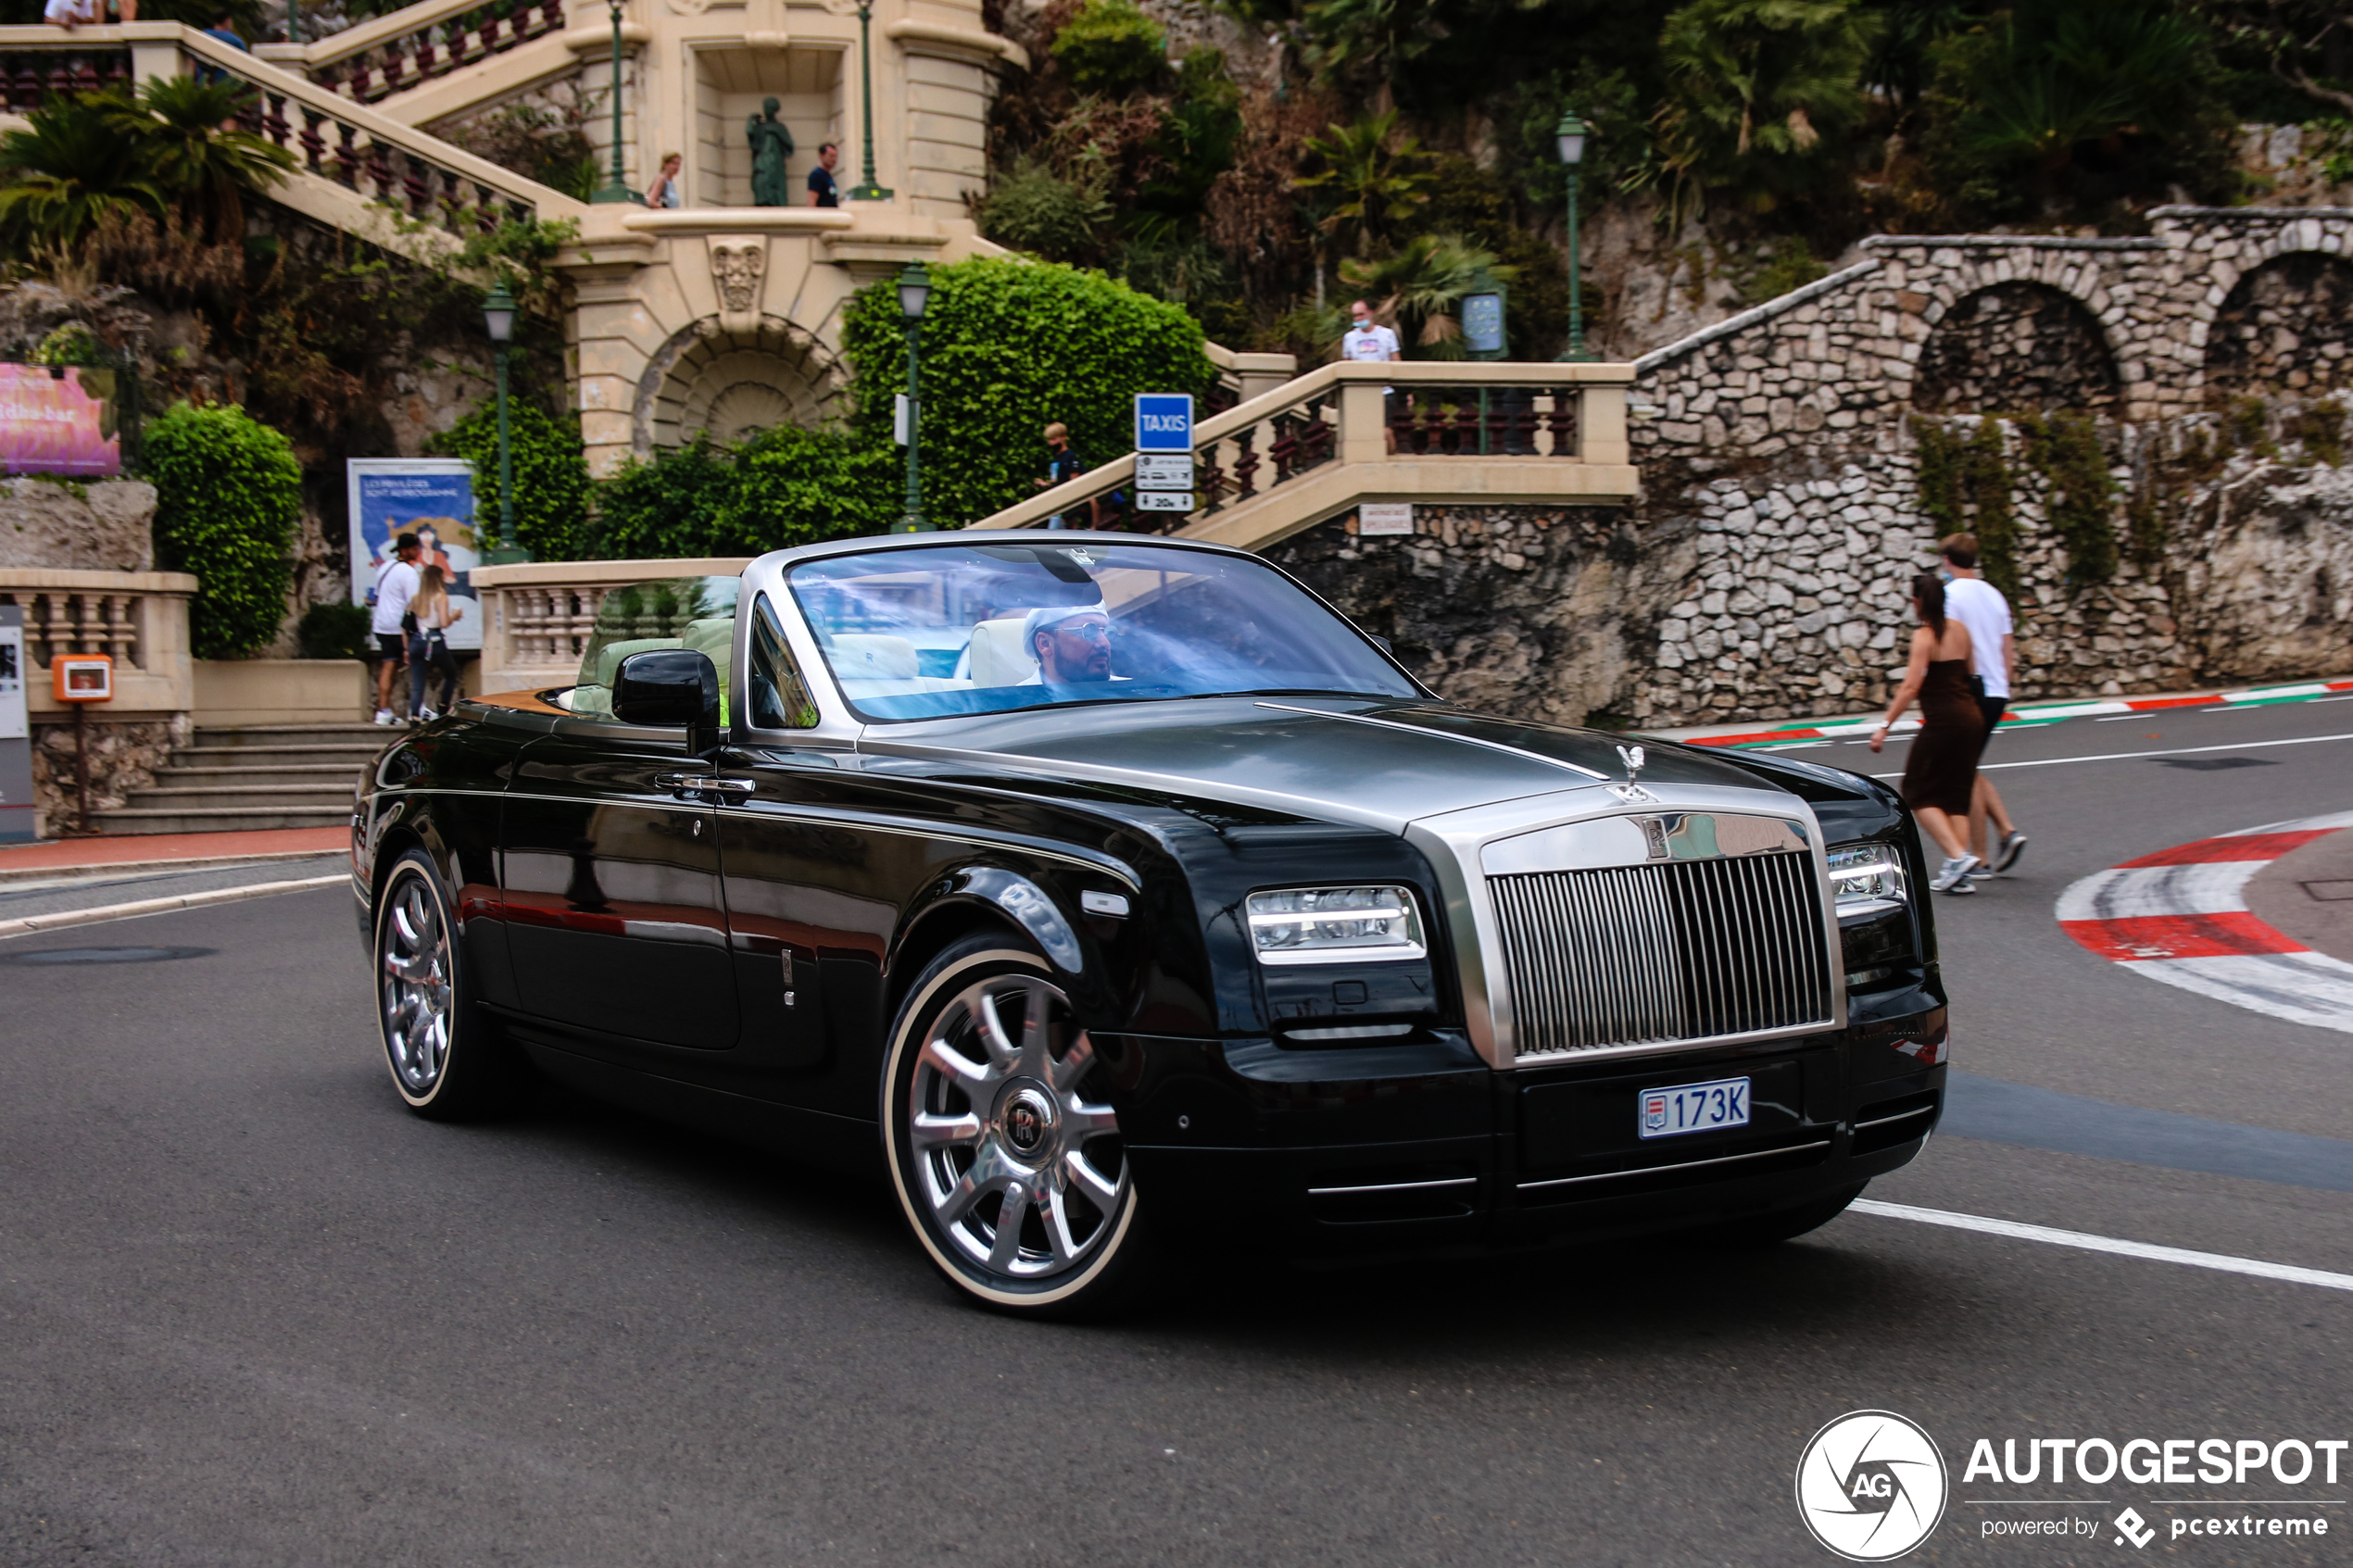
{"x": 1071, "y": 644}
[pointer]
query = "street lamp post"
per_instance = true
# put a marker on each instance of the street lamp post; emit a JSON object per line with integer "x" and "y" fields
{"x": 499, "y": 318}
{"x": 915, "y": 292}
{"x": 617, "y": 188}
{"x": 866, "y": 189}
{"x": 1569, "y": 136}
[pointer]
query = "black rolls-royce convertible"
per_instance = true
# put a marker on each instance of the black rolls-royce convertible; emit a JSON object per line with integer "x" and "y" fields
{"x": 1118, "y": 899}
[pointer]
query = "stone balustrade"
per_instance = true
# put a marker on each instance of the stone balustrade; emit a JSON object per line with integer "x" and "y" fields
{"x": 537, "y": 617}
{"x": 1345, "y": 433}
{"x": 138, "y": 618}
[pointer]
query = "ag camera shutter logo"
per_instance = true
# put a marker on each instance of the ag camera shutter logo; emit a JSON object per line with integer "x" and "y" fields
{"x": 1871, "y": 1485}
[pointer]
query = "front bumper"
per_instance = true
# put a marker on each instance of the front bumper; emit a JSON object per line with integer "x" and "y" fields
{"x": 1421, "y": 1147}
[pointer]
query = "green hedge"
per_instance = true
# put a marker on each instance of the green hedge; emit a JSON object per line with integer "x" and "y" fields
{"x": 1109, "y": 47}
{"x": 1008, "y": 346}
{"x": 551, "y": 477}
{"x": 228, "y": 500}
{"x": 785, "y": 486}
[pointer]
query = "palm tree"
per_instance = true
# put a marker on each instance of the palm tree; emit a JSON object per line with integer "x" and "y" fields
{"x": 65, "y": 170}
{"x": 193, "y": 152}
{"x": 1755, "y": 85}
{"x": 1377, "y": 175}
{"x": 1416, "y": 290}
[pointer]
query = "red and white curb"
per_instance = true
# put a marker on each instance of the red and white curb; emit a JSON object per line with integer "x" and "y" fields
{"x": 2028, "y": 715}
{"x": 2181, "y": 916}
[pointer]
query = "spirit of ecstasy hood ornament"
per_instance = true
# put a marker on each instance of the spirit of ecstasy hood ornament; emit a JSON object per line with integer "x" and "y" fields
{"x": 1632, "y": 791}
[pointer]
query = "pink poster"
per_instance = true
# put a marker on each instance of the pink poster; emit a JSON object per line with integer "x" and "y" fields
{"x": 55, "y": 424}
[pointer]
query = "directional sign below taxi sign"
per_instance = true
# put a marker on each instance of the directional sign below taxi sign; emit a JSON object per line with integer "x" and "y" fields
{"x": 1164, "y": 500}
{"x": 1171, "y": 471}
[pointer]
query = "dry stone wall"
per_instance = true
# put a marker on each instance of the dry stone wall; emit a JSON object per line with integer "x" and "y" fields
{"x": 1763, "y": 570}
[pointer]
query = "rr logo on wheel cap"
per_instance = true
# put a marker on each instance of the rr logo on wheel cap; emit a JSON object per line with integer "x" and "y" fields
{"x": 1027, "y": 1119}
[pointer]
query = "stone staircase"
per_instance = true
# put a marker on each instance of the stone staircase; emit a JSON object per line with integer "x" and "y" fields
{"x": 253, "y": 776}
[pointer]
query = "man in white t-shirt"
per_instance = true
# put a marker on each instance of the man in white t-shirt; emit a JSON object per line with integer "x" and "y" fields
{"x": 1368, "y": 342}
{"x": 1979, "y": 606}
{"x": 394, "y": 590}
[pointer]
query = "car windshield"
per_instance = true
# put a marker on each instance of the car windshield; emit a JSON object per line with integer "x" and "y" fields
{"x": 924, "y": 634}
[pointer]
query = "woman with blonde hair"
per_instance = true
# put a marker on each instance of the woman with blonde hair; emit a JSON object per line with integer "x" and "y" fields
{"x": 1941, "y": 773}
{"x": 435, "y": 612}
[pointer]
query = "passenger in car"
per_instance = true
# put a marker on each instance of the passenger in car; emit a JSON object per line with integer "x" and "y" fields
{"x": 1071, "y": 642}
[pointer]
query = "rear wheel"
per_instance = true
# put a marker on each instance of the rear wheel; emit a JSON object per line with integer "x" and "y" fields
{"x": 445, "y": 1060}
{"x": 1004, "y": 1148}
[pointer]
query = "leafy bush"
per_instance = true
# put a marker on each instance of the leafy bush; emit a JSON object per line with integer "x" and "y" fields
{"x": 1032, "y": 208}
{"x": 785, "y": 486}
{"x": 796, "y": 486}
{"x": 1008, "y": 346}
{"x": 1109, "y": 47}
{"x": 227, "y": 497}
{"x": 1759, "y": 93}
{"x": 329, "y": 630}
{"x": 551, "y": 476}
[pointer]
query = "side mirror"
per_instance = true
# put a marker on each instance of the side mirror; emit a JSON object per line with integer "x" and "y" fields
{"x": 670, "y": 687}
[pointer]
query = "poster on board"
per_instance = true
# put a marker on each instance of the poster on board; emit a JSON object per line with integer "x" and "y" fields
{"x": 59, "y": 425}
{"x": 432, "y": 498}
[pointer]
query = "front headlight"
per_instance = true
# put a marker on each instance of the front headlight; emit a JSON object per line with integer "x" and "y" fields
{"x": 1334, "y": 925}
{"x": 1867, "y": 879}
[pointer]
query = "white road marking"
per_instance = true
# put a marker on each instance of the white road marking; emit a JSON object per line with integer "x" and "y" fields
{"x": 2162, "y": 751}
{"x": 33, "y": 924}
{"x": 2016, "y": 1232}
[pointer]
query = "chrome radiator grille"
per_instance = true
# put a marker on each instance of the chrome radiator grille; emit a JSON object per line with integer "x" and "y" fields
{"x": 1676, "y": 950}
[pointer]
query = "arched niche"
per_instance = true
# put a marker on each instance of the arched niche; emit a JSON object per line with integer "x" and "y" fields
{"x": 2287, "y": 326}
{"x": 2016, "y": 347}
{"x": 735, "y": 385}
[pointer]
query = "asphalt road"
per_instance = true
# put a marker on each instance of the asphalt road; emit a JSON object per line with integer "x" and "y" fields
{"x": 252, "y": 1313}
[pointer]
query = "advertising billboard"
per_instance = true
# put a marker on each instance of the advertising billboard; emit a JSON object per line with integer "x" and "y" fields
{"x": 432, "y": 498}
{"x": 52, "y": 423}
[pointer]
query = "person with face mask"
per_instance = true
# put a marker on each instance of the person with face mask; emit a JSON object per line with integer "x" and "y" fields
{"x": 1366, "y": 341}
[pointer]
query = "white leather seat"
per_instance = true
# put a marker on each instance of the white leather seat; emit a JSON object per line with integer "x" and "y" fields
{"x": 609, "y": 657}
{"x": 873, "y": 655}
{"x": 997, "y": 656}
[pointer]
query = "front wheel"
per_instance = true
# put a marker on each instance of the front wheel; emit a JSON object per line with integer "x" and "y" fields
{"x": 1004, "y": 1148}
{"x": 445, "y": 1059}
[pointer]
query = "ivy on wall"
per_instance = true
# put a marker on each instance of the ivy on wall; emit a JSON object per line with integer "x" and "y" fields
{"x": 2065, "y": 449}
{"x": 228, "y": 499}
{"x": 1007, "y": 346}
{"x": 1965, "y": 488}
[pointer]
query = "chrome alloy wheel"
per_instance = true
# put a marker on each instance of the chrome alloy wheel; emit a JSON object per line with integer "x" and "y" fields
{"x": 1022, "y": 1172}
{"x": 413, "y": 951}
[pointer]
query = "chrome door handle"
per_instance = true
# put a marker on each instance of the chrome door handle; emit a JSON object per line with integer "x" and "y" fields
{"x": 703, "y": 784}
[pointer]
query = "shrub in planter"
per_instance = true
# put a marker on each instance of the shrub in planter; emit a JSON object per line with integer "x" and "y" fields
{"x": 228, "y": 499}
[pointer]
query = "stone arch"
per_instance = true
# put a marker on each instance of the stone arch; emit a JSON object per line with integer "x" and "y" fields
{"x": 733, "y": 384}
{"x": 2286, "y": 326}
{"x": 2012, "y": 347}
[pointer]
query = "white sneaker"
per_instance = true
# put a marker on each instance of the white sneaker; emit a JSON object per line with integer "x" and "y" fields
{"x": 426, "y": 716}
{"x": 383, "y": 715}
{"x": 1953, "y": 875}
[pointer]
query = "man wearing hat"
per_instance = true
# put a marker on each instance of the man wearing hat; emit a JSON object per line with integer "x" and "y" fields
{"x": 1071, "y": 644}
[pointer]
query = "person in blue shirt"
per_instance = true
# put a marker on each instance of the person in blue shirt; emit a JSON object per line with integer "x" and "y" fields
{"x": 224, "y": 30}
{"x": 823, "y": 192}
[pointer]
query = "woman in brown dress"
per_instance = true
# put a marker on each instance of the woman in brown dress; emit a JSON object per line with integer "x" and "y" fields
{"x": 1941, "y": 773}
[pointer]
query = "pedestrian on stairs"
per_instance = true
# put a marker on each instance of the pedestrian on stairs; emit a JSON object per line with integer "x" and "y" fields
{"x": 391, "y": 623}
{"x": 435, "y": 612}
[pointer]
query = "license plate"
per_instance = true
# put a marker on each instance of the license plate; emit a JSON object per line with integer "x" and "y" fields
{"x": 1693, "y": 1108}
